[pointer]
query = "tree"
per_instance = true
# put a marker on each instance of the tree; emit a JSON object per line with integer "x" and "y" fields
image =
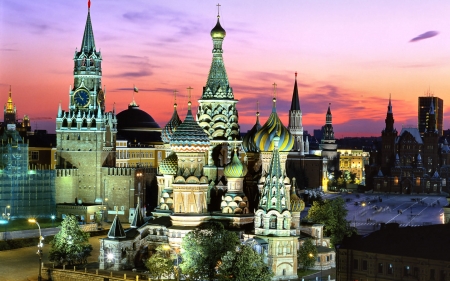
{"x": 244, "y": 264}
{"x": 307, "y": 254}
{"x": 70, "y": 245}
{"x": 332, "y": 213}
{"x": 160, "y": 263}
{"x": 204, "y": 248}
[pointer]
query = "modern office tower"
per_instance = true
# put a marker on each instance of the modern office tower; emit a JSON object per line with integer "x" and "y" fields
{"x": 424, "y": 104}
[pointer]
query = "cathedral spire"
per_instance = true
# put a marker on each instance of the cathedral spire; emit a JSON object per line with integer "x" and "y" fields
{"x": 295, "y": 103}
{"x": 88, "y": 43}
{"x": 217, "y": 85}
{"x": 328, "y": 132}
{"x": 295, "y": 120}
{"x": 389, "y": 117}
{"x": 274, "y": 197}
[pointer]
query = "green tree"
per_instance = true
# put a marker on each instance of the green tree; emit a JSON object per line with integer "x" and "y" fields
{"x": 204, "y": 248}
{"x": 70, "y": 245}
{"x": 244, "y": 264}
{"x": 160, "y": 263}
{"x": 332, "y": 213}
{"x": 307, "y": 254}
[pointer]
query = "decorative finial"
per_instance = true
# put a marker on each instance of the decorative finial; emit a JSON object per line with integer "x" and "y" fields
{"x": 257, "y": 108}
{"x": 274, "y": 90}
{"x": 235, "y": 147}
{"x": 189, "y": 97}
{"x": 274, "y": 95}
{"x": 89, "y": 4}
{"x": 218, "y": 10}
{"x": 175, "y": 98}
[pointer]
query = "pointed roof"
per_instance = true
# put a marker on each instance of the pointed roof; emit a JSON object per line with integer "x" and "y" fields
{"x": 9, "y": 106}
{"x": 389, "y": 105}
{"x": 116, "y": 231}
{"x": 189, "y": 136}
{"x": 248, "y": 142}
{"x": 217, "y": 86}
{"x": 138, "y": 219}
{"x": 274, "y": 197}
{"x": 88, "y": 43}
{"x": 171, "y": 126}
{"x": 295, "y": 103}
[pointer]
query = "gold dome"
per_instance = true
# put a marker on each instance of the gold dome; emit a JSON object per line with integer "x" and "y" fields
{"x": 218, "y": 32}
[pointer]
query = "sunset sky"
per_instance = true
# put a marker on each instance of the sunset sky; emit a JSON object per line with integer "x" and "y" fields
{"x": 350, "y": 53}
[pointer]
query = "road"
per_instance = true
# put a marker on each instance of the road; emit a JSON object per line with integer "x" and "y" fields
{"x": 19, "y": 264}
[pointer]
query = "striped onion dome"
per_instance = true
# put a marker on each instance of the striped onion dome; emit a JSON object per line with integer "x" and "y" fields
{"x": 248, "y": 143}
{"x": 189, "y": 136}
{"x": 169, "y": 166}
{"x": 235, "y": 169}
{"x": 297, "y": 204}
{"x": 272, "y": 128}
{"x": 170, "y": 127}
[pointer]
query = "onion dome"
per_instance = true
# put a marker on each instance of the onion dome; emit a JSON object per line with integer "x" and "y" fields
{"x": 218, "y": 32}
{"x": 189, "y": 136}
{"x": 297, "y": 204}
{"x": 170, "y": 127}
{"x": 235, "y": 169}
{"x": 248, "y": 143}
{"x": 272, "y": 128}
{"x": 169, "y": 166}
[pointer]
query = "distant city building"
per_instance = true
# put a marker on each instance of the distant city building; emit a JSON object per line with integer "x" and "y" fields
{"x": 328, "y": 143}
{"x": 10, "y": 119}
{"x": 409, "y": 163}
{"x": 393, "y": 253}
{"x": 27, "y": 189}
{"x": 354, "y": 161}
{"x": 424, "y": 113}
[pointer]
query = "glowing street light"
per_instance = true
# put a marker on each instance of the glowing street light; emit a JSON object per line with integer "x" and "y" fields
{"x": 39, "y": 252}
{"x": 53, "y": 217}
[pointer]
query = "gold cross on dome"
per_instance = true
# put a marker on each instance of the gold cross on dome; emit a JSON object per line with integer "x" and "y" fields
{"x": 274, "y": 90}
{"x": 218, "y": 9}
{"x": 189, "y": 92}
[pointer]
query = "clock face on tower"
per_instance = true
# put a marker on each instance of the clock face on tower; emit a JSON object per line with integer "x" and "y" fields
{"x": 81, "y": 98}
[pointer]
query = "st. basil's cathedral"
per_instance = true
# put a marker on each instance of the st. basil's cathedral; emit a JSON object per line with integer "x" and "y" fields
{"x": 207, "y": 170}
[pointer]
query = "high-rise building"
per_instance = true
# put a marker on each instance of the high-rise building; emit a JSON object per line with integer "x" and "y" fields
{"x": 424, "y": 104}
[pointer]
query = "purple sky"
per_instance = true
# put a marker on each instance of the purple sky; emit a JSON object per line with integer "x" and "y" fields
{"x": 350, "y": 53}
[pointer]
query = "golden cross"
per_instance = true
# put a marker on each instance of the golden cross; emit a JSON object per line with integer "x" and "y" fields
{"x": 175, "y": 94}
{"x": 189, "y": 92}
{"x": 218, "y": 10}
{"x": 257, "y": 108}
{"x": 274, "y": 90}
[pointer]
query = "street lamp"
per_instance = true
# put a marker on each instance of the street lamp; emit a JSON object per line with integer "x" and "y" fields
{"x": 6, "y": 216}
{"x": 168, "y": 248}
{"x": 53, "y": 219}
{"x": 6, "y": 207}
{"x": 105, "y": 210}
{"x": 40, "y": 244}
